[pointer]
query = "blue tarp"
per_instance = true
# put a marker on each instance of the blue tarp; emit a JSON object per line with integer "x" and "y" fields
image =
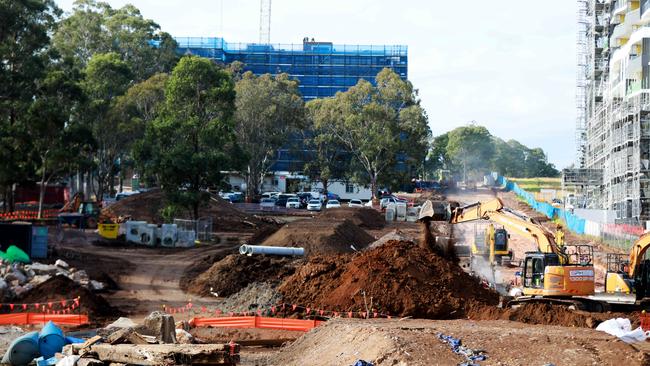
{"x": 573, "y": 222}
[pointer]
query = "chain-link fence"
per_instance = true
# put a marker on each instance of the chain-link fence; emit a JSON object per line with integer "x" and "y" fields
{"x": 201, "y": 227}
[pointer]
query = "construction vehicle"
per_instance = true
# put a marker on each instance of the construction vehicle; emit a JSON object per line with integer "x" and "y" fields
{"x": 627, "y": 280}
{"x": 85, "y": 214}
{"x": 492, "y": 245}
{"x": 550, "y": 274}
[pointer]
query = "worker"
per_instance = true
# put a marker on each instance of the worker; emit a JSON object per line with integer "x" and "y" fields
{"x": 559, "y": 236}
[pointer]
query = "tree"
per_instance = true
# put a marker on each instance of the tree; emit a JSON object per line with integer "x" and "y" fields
{"x": 269, "y": 111}
{"x": 381, "y": 126}
{"x": 192, "y": 141}
{"x": 94, "y": 27}
{"x": 24, "y": 51}
{"x": 325, "y": 156}
{"x": 471, "y": 148}
{"x": 107, "y": 77}
{"x": 56, "y": 141}
{"x": 438, "y": 158}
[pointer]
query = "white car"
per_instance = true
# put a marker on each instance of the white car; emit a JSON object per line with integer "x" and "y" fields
{"x": 355, "y": 203}
{"x": 267, "y": 203}
{"x": 293, "y": 202}
{"x": 314, "y": 205}
{"x": 333, "y": 204}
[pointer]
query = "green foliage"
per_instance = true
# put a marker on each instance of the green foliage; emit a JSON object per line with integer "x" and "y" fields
{"x": 94, "y": 28}
{"x": 169, "y": 212}
{"x": 382, "y": 127}
{"x": 192, "y": 140}
{"x": 269, "y": 110}
{"x": 475, "y": 149}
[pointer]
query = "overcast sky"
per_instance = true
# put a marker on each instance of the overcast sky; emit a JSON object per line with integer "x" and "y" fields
{"x": 508, "y": 65}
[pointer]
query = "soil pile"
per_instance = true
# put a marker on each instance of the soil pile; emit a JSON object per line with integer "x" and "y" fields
{"x": 547, "y": 314}
{"x": 365, "y": 217}
{"x": 60, "y": 288}
{"x": 147, "y": 206}
{"x": 321, "y": 236}
{"x": 234, "y": 272}
{"x": 398, "y": 278}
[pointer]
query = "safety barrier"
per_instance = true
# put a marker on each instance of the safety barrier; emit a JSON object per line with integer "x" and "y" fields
{"x": 40, "y": 318}
{"x": 28, "y": 214}
{"x": 256, "y": 322}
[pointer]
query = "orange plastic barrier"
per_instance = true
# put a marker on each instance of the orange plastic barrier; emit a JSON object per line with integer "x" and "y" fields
{"x": 39, "y": 318}
{"x": 257, "y": 322}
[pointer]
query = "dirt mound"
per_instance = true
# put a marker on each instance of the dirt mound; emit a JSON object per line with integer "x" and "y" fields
{"x": 399, "y": 278}
{"x": 321, "y": 236}
{"x": 147, "y": 206}
{"x": 263, "y": 233}
{"x": 547, "y": 314}
{"x": 364, "y": 217}
{"x": 234, "y": 272}
{"x": 62, "y": 288}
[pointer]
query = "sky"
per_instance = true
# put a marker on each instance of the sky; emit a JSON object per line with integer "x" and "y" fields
{"x": 508, "y": 65}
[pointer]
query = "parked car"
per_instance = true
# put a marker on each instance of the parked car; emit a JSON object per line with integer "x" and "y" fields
{"x": 293, "y": 202}
{"x": 314, "y": 205}
{"x": 333, "y": 204}
{"x": 267, "y": 203}
{"x": 386, "y": 200}
{"x": 121, "y": 195}
{"x": 333, "y": 196}
{"x": 355, "y": 203}
{"x": 304, "y": 199}
{"x": 236, "y": 197}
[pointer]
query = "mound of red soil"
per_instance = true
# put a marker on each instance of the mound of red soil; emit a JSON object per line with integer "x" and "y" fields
{"x": 364, "y": 217}
{"x": 60, "y": 288}
{"x": 147, "y": 206}
{"x": 398, "y": 278}
{"x": 234, "y": 272}
{"x": 547, "y": 314}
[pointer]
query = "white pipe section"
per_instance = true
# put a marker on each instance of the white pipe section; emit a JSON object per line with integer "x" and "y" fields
{"x": 261, "y": 249}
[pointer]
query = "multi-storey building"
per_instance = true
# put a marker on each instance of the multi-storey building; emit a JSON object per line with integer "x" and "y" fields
{"x": 322, "y": 69}
{"x": 613, "y": 106}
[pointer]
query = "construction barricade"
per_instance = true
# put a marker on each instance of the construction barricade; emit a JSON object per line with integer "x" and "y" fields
{"x": 257, "y": 322}
{"x": 42, "y": 318}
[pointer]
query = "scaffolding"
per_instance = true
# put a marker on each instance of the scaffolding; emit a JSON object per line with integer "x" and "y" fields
{"x": 582, "y": 54}
{"x": 323, "y": 68}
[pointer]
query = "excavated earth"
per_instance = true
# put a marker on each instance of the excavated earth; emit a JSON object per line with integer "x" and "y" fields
{"x": 364, "y": 217}
{"x": 398, "y": 278}
{"x": 147, "y": 206}
{"x": 321, "y": 236}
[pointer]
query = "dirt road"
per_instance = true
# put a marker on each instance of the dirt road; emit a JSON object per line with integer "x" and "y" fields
{"x": 147, "y": 278}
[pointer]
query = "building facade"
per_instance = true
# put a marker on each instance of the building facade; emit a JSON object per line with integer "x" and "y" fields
{"x": 613, "y": 108}
{"x": 322, "y": 68}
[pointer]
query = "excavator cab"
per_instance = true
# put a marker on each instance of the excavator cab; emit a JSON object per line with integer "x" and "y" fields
{"x": 534, "y": 268}
{"x": 501, "y": 240}
{"x": 641, "y": 281}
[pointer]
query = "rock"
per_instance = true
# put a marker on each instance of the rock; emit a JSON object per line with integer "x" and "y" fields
{"x": 61, "y": 263}
{"x": 85, "y": 361}
{"x": 160, "y": 325}
{"x": 96, "y": 285}
{"x": 80, "y": 277}
{"x": 122, "y": 322}
{"x": 40, "y": 268}
{"x": 38, "y": 279}
{"x": 126, "y": 336}
{"x": 184, "y": 337}
{"x": 30, "y": 273}
{"x": 183, "y": 324}
{"x": 16, "y": 275}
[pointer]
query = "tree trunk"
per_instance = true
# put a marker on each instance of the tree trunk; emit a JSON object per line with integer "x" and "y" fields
{"x": 325, "y": 183}
{"x": 41, "y": 195}
{"x": 252, "y": 184}
{"x": 12, "y": 198}
{"x": 373, "y": 187}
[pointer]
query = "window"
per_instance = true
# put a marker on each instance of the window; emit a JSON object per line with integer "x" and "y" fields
{"x": 349, "y": 188}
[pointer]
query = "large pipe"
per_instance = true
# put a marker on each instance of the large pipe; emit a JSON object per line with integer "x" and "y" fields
{"x": 261, "y": 249}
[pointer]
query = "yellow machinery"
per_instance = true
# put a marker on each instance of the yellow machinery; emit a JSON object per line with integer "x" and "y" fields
{"x": 548, "y": 272}
{"x": 630, "y": 274}
{"x": 493, "y": 245}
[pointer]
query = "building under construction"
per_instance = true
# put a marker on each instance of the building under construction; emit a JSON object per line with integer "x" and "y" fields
{"x": 613, "y": 108}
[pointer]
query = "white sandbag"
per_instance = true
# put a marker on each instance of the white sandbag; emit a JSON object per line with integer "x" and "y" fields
{"x": 616, "y": 327}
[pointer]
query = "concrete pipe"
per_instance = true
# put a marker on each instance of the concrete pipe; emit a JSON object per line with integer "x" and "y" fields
{"x": 261, "y": 249}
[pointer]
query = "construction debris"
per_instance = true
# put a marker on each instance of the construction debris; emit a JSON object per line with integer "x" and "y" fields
{"x": 168, "y": 354}
{"x": 161, "y": 326}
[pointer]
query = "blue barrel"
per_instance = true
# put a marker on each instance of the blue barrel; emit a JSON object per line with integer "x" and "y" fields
{"x": 39, "y": 242}
{"x": 51, "y": 340}
{"x": 22, "y": 350}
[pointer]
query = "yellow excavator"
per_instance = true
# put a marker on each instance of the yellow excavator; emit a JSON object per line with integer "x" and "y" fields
{"x": 550, "y": 274}
{"x": 628, "y": 277}
{"x": 492, "y": 245}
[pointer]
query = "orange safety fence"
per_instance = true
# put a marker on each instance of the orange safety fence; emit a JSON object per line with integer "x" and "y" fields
{"x": 40, "y": 318}
{"x": 256, "y": 322}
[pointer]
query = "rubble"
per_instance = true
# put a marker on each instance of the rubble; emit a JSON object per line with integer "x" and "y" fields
{"x": 168, "y": 354}
{"x": 160, "y": 325}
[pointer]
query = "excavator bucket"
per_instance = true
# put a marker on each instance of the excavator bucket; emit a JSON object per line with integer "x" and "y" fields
{"x": 426, "y": 211}
{"x": 434, "y": 211}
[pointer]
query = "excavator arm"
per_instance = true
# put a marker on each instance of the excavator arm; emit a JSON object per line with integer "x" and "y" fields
{"x": 494, "y": 210}
{"x": 638, "y": 252}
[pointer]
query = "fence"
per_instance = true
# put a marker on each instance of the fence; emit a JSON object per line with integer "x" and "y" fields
{"x": 202, "y": 227}
{"x": 257, "y": 322}
{"x": 42, "y": 318}
{"x": 621, "y": 236}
